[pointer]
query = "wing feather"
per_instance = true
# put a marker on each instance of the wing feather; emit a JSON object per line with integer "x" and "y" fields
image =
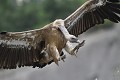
{"x": 19, "y": 49}
{"x": 91, "y": 13}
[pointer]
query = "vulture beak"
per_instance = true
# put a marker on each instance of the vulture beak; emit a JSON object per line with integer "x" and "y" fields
{"x": 78, "y": 41}
{"x": 73, "y": 39}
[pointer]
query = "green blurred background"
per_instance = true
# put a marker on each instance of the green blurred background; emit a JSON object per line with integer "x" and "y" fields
{"x": 21, "y": 15}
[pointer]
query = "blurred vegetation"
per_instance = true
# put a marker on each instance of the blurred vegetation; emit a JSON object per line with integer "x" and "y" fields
{"x": 21, "y": 15}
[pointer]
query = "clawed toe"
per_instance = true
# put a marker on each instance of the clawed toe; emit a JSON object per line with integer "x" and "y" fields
{"x": 63, "y": 58}
{"x": 82, "y": 43}
{"x": 79, "y": 45}
{"x": 75, "y": 50}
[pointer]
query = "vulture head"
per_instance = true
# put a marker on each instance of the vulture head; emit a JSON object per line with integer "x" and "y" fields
{"x": 59, "y": 23}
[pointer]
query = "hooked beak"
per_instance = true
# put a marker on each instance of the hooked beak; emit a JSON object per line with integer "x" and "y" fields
{"x": 74, "y": 40}
{"x": 78, "y": 41}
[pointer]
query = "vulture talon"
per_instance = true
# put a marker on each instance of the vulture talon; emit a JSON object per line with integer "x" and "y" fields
{"x": 63, "y": 58}
{"x": 75, "y": 50}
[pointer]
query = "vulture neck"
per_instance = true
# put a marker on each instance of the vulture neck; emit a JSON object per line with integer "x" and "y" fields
{"x": 64, "y": 31}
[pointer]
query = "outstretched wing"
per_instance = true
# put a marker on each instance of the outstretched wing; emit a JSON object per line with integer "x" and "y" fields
{"x": 91, "y": 13}
{"x": 20, "y": 48}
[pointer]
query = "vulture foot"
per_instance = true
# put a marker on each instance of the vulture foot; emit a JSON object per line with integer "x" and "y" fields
{"x": 75, "y": 50}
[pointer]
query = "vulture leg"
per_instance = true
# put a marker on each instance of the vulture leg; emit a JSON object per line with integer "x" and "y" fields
{"x": 69, "y": 48}
{"x": 53, "y": 52}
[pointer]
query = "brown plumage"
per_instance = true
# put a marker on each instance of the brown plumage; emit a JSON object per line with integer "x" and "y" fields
{"x": 24, "y": 48}
{"x": 43, "y": 46}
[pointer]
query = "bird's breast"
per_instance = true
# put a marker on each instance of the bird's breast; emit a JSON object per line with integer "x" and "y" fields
{"x": 57, "y": 38}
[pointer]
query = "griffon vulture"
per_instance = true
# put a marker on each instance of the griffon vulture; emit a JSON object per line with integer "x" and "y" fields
{"x": 43, "y": 46}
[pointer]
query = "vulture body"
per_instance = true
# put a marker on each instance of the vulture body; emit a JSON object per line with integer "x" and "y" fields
{"x": 43, "y": 46}
{"x": 24, "y": 48}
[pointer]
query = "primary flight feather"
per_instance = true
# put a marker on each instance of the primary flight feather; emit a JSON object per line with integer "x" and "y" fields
{"x": 43, "y": 46}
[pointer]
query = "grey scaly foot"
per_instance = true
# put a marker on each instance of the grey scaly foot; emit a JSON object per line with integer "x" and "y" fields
{"x": 75, "y": 50}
